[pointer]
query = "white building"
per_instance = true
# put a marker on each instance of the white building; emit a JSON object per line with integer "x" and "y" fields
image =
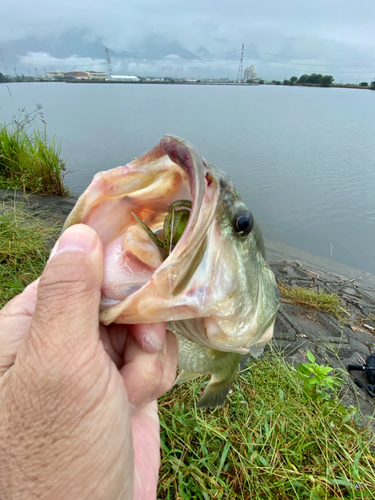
{"x": 250, "y": 74}
{"x": 97, "y": 75}
{"x": 123, "y": 78}
{"x": 51, "y": 75}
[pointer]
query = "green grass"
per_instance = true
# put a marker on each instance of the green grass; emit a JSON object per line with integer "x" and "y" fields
{"x": 307, "y": 297}
{"x": 270, "y": 441}
{"x": 28, "y": 161}
{"x": 23, "y": 250}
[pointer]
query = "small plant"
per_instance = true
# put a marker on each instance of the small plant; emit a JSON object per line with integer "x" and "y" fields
{"x": 28, "y": 161}
{"x": 317, "y": 381}
{"x": 307, "y": 297}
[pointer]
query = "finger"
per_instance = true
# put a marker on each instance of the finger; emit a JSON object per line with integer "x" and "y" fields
{"x": 66, "y": 316}
{"x": 149, "y": 375}
{"x": 150, "y": 337}
{"x": 15, "y": 320}
{"x": 114, "y": 339}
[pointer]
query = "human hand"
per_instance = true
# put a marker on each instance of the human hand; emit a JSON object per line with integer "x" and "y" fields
{"x": 78, "y": 411}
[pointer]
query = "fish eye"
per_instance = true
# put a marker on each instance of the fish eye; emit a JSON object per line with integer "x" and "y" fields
{"x": 243, "y": 223}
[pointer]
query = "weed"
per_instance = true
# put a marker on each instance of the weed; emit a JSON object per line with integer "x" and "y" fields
{"x": 317, "y": 381}
{"x": 268, "y": 442}
{"x": 23, "y": 250}
{"x": 28, "y": 161}
{"x": 307, "y": 297}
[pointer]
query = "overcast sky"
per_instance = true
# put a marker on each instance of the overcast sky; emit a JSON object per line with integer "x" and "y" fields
{"x": 282, "y": 38}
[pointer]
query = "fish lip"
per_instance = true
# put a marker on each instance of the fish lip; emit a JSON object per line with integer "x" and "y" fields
{"x": 187, "y": 157}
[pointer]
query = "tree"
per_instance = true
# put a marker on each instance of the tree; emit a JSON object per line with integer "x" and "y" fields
{"x": 372, "y": 85}
{"x": 363, "y": 84}
{"x": 326, "y": 81}
{"x": 3, "y": 78}
{"x": 303, "y": 79}
{"x": 293, "y": 80}
{"x": 286, "y": 82}
{"x": 314, "y": 78}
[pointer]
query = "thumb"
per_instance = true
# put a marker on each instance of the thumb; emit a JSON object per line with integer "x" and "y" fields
{"x": 67, "y": 307}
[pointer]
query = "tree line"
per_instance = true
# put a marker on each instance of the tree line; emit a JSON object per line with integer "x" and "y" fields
{"x": 316, "y": 79}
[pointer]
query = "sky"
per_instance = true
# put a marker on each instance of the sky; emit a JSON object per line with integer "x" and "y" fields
{"x": 194, "y": 38}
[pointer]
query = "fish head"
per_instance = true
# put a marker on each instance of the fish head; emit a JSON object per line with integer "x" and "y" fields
{"x": 215, "y": 286}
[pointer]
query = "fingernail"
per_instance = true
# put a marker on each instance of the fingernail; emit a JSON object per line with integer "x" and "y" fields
{"x": 76, "y": 238}
{"x": 151, "y": 341}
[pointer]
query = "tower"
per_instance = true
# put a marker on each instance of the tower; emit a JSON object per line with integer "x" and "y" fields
{"x": 240, "y": 68}
{"x": 109, "y": 63}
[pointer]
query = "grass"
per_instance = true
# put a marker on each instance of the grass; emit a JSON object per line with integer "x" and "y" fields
{"x": 307, "y": 297}
{"x": 23, "y": 249}
{"x": 28, "y": 161}
{"x": 270, "y": 441}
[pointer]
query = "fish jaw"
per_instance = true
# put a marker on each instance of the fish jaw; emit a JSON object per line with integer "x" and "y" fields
{"x": 212, "y": 277}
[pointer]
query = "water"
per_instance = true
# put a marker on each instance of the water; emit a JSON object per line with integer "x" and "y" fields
{"x": 302, "y": 158}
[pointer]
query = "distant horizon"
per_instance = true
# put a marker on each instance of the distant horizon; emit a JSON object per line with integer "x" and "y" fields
{"x": 277, "y": 54}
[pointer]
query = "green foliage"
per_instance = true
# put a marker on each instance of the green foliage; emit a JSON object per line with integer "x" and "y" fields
{"x": 363, "y": 84}
{"x": 372, "y": 87}
{"x": 268, "y": 442}
{"x": 293, "y": 80}
{"x": 286, "y": 82}
{"x": 303, "y": 79}
{"x": 28, "y": 161}
{"x": 326, "y": 81}
{"x": 4, "y": 78}
{"x": 317, "y": 381}
{"x": 23, "y": 249}
{"x": 308, "y": 297}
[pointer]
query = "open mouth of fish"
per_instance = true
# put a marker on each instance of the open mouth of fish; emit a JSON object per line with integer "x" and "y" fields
{"x": 196, "y": 276}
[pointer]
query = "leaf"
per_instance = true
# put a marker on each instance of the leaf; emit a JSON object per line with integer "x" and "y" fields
{"x": 310, "y": 356}
{"x": 264, "y": 462}
{"x": 303, "y": 370}
{"x": 223, "y": 458}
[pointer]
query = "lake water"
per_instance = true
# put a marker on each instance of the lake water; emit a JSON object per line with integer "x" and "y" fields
{"x": 302, "y": 158}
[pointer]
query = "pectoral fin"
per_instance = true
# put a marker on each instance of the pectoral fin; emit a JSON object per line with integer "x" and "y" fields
{"x": 185, "y": 376}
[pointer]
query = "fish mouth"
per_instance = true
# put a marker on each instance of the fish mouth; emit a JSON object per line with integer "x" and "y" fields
{"x": 146, "y": 187}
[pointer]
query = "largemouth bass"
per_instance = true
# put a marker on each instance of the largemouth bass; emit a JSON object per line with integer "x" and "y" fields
{"x": 209, "y": 280}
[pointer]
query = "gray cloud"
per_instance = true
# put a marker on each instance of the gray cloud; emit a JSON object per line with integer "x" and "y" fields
{"x": 281, "y": 38}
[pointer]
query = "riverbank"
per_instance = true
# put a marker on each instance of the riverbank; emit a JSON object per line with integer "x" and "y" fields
{"x": 298, "y": 328}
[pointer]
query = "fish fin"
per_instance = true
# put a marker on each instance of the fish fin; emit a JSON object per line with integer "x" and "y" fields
{"x": 256, "y": 351}
{"x": 215, "y": 394}
{"x": 185, "y": 377}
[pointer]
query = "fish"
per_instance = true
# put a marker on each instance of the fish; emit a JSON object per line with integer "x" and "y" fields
{"x": 209, "y": 280}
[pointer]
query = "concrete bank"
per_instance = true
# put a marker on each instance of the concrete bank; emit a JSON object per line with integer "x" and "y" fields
{"x": 297, "y": 328}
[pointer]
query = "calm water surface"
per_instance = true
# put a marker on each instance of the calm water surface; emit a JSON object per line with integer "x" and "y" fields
{"x": 302, "y": 158}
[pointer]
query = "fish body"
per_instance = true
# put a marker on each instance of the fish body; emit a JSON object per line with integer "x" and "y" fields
{"x": 214, "y": 288}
